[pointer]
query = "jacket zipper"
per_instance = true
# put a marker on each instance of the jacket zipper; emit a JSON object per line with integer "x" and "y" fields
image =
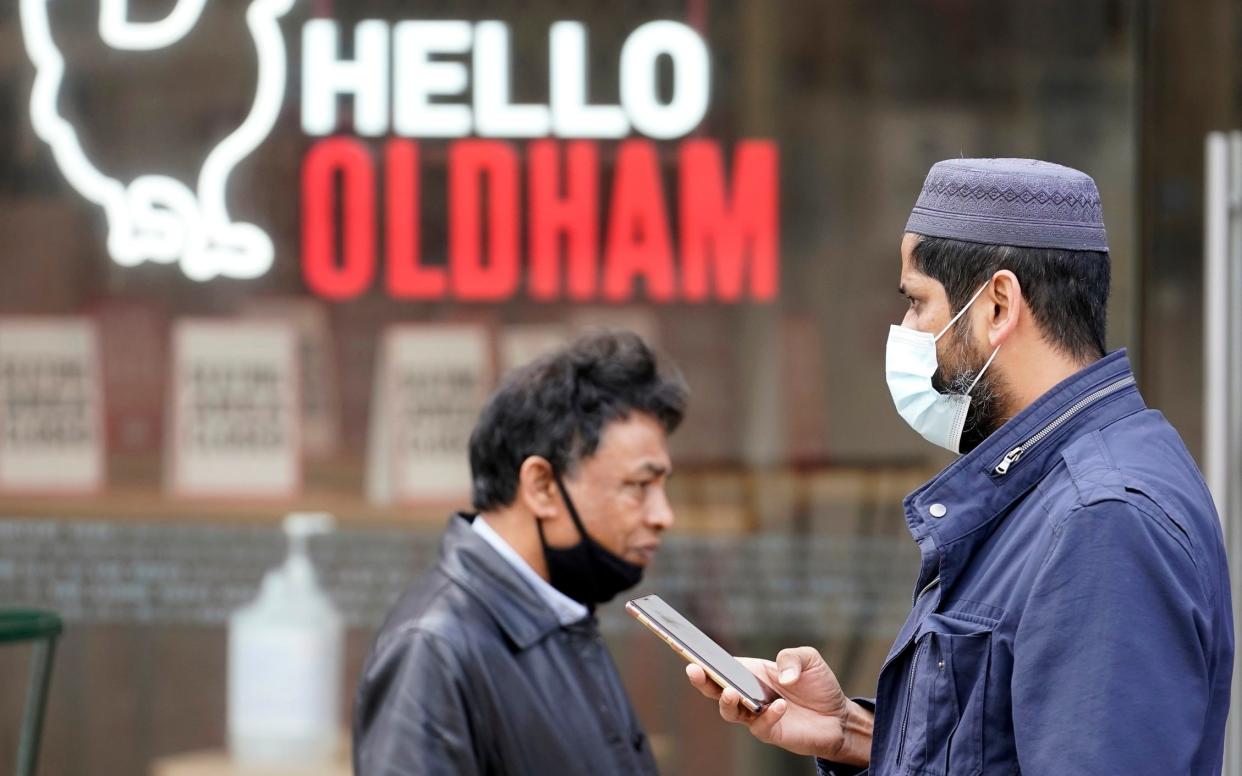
{"x": 926, "y": 587}
{"x": 1013, "y": 455}
{"x": 914, "y": 663}
{"x": 905, "y": 718}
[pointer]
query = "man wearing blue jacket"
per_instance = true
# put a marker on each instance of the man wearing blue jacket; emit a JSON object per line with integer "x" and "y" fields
{"x": 1072, "y": 610}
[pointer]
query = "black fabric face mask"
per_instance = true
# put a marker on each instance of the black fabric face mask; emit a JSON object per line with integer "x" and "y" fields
{"x": 587, "y": 572}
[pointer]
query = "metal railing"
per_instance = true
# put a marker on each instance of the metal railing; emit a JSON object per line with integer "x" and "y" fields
{"x": 1222, "y": 401}
{"x": 42, "y": 629}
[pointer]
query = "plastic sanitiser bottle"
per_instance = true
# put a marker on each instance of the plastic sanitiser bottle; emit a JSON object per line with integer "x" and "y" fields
{"x": 285, "y": 651}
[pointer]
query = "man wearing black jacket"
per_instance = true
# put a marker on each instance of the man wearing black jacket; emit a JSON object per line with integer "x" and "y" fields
{"x": 492, "y": 662}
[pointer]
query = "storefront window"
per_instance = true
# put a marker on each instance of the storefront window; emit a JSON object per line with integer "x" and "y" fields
{"x": 416, "y": 231}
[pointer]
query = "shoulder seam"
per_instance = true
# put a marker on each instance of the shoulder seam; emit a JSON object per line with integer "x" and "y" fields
{"x": 1186, "y": 543}
{"x": 1139, "y": 511}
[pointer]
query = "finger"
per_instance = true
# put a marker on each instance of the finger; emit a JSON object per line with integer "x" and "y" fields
{"x": 699, "y": 679}
{"x": 763, "y": 727}
{"x": 792, "y": 662}
{"x": 731, "y": 709}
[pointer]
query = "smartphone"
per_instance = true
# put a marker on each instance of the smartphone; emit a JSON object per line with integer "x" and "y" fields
{"x": 694, "y": 645}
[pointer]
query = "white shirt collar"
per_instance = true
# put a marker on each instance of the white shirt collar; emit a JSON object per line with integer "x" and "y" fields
{"x": 567, "y": 610}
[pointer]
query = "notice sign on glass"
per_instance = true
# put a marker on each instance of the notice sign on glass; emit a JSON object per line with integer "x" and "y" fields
{"x": 321, "y": 420}
{"x": 235, "y": 410}
{"x": 51, "y": 407}
{"x": 431, "y": 382}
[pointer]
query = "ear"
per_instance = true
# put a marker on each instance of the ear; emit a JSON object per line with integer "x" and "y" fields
{"x": 1006, "y": 305}
{"x": 537, "y": 488}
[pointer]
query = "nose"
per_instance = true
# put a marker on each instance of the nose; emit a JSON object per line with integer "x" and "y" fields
{"x": 660, "y": 515}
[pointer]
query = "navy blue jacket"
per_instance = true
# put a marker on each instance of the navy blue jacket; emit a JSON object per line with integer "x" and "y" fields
{"x": 1072, "y": 612}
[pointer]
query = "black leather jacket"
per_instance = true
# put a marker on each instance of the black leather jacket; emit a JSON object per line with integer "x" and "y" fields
{"x": 473, "y": 674}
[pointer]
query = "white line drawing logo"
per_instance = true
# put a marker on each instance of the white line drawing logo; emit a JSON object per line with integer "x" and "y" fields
{"x": 155, "y": 217}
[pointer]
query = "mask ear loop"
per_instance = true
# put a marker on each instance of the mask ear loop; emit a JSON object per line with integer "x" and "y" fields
{"x": 573, "y": 513}
{"x": 960, "y": 312}
{"x": 569, "y": 504}
{"x": 979, "y": 376}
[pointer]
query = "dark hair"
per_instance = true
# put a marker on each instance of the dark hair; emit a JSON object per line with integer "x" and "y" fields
{"x": 557, "y": 408}
{"x": 1067, "y": 290}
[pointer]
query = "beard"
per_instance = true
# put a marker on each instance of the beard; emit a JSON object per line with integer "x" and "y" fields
{"x": 989, "y": 400}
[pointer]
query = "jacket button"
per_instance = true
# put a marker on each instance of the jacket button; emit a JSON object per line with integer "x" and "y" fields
{"x": 938, "y": 510}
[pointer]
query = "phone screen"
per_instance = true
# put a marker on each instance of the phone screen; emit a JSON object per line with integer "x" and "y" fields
{"x": 704, "y": 649}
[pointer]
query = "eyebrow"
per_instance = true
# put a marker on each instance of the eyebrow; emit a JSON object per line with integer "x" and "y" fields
{"x": 655, "y": 469}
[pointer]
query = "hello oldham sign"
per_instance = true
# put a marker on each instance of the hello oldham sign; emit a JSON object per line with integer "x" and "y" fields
{"x": 529, "y": 209}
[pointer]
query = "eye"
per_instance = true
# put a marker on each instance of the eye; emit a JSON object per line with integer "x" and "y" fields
{"x": 638, "y": 486}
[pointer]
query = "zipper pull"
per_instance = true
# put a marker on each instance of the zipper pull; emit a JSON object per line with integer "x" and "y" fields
{"x": 1009, "y": 459}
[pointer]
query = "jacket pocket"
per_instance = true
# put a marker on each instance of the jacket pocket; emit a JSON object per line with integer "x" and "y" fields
{"x": 943, "y": 726}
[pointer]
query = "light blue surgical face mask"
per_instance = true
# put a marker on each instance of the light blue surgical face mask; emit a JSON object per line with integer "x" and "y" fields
{"x": 910, "y": 362}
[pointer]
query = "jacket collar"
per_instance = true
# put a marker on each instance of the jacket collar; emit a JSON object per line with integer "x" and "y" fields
{"x": 969, "y": 493}
{"x": 467, "y": 559}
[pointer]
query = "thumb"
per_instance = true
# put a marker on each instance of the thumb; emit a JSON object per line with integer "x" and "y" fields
{"x": 790, "y": 663}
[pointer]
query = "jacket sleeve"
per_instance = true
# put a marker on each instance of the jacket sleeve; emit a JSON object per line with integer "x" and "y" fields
{"x": 1109, "y": 669}
{"x": 825, "y": 768}
{"x": 411, "y": 716}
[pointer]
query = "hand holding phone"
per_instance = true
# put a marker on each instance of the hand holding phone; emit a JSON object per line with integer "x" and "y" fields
{"x": 810, "y": 716}
{"x": 695, "y": 647}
